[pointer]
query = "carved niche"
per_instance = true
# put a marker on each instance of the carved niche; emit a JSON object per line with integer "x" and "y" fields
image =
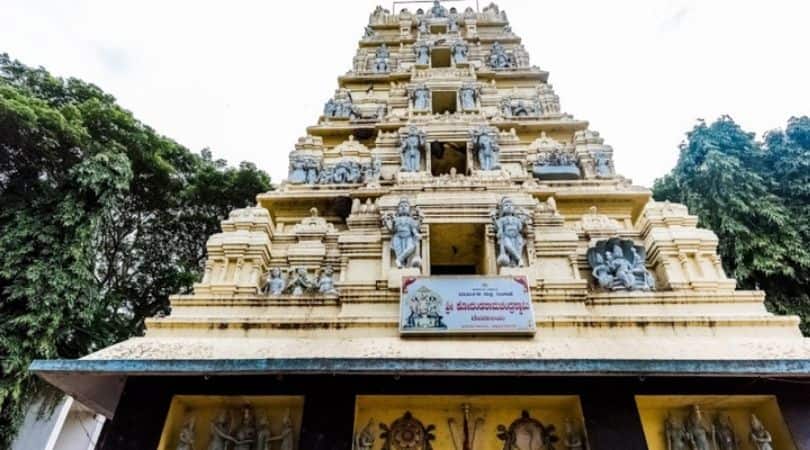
{"x": 407, "y": 433}
{"x": 527, "y": 433}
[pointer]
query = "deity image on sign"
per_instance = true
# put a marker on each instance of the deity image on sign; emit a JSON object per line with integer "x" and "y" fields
{"x": 468, "y": 94}
{"x": 364, "y": 439}
{"x": 676, "y": 435}
{"x": 759, "y": 436}
{"x": 510, "y": 225}
{"x": 381, "y": 58}
{"x": 459, "y": 51}
{"x": 421, "y": 98}
{"x": 404, "y": 227}
{"x": 485, "y": 145}
{"x": 299, "y": 282}
{"x": 303, "y": 169}
{"x": 424, "y": 308}
{"x": 245, "y": 434}
{"x": 275, "y": 282}
{"x": 527, "y": 433}
{"x": 326, "y": 282}
{"x": 700, "y": 435}
{"x": 573, "y": 439}
{"x": 724, "y": 435}
{"x": 407, "y": 433}
{"x": 411, "y": 149}
{"x": 498, "y": 58}
{"x": 619, "y": 264}
{"x": 186, "y": 439}
{"x": 422, "y": 51}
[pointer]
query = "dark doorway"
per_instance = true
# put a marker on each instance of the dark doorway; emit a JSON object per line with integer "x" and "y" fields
{"x": 445, "y": 156}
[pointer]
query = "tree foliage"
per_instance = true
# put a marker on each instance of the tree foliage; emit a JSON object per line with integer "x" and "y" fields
{"x": 101, "y": 219}
{"x": 756, "y": 197}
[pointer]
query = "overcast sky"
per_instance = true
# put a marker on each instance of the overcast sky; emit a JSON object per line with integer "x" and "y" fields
{"x": 246, "y": 78}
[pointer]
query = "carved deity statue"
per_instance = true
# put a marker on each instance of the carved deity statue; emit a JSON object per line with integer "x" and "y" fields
{"x": 527, "y": 433}
{"x": 381, "y": 59}
{"x": 245, "y": 435}
{"x": 676, "y": 435}
{"x": 468, "y": 94}
{"x": 437, "y": 10}
{"x": 498, "y": 58}
{"x": 452, "y": 22}
{"x": 220, "y": 433}
{"x": 724, "y": 436}
{"x": 422, "y": 51}
{"x": 264, "y": 434}
{"x": 759, "y": 436}
{"x": 510, "y": 225}
{"x": 485, "y": 145}
{"x": 421, "y": 98}
{"x": 602, "y": 166}
{"x": 186, "y": 439}
{"x": 459, "y": 51}
{"x": 326, "y": 282}
{"x": 303, "y": 169}
{"x": 619, "y": 264}
{"x": 275, "y": 282}
{"x": 404, "y": 227}
{"x": 411, "y": 149}
{"x": 299, "y": 282}
{"x": 573, "y": 438}
{"x": 364, "y": 440}
{"x": 287, "y": 434}
{"x": 373, "y": 171}
{"x": 700, "y": 435}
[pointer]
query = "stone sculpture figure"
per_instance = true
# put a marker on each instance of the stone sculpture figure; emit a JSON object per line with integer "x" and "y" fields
{"x": 381, "y": 59}
{"x": 275, "y": 282}
{"x": 510, "y": 225}
{"x": 759, "y": 436}
{"x": 724, "y": 436}
{"x": 299, "y": 282}
{"x": 485, "y": 144}
{"x": 245, "y": 435}
{"x": 458, "y": 51}
{"x": 407, "y": 433}
{"x": 373, "y": 171}
{"x": 330, "y": 108}
{"x": 344, "y": 171}
{"x": 326, "y": 282}
{"x": 364, "y": 440}
{"x": 573, "y": 439}
{"x": 527, "y": 433}
{"x": 498, "y": 58}
{"x": 422, "y": 51}
{"x": 287, "y": 434}
{"x": 186, "y": 439}
{"x": 438, "y": 10}
{"x": 700, "y": 436}
{"x": 404, "y": 227}
{"x": 468, "y": 95}
{"x": 421, "y": 98}
{"x": 264, "y": 434}
{"x": 602, "y": 167}
{"x": 452, "y": 22}
{"x": 411, "y": 149}
{"x": 220, "y": 433}
{"x": 303, "y": 169}
{"x": 676, "y": 435}
{"x": 618, "y": 264}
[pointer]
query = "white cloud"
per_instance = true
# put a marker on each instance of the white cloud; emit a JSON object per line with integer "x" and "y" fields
{"x": 247, "y": 78}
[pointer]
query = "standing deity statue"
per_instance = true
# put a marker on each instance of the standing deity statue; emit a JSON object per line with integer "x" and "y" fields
{"x": 381, "y": 58}
{"x": 422, "y": 51}
{"x": 326, "y": 282}
{"x": 437, "y": 10}
{"x": 485, "y": 145}
{"x": 458, "y": 51}
{"x": 510, "y": 225}
{"x": 245, "y": 435}
{"x": 619, "y": 264}
{"x": 299, "y": 282}
{"x": 421, "y": 98}
{"x": 404, "y": 227}
{"x": 264, "y": 434}
{"x": 220, "y": 433}
{"x": 700, "y": 436}
{"x": 287, "y": 434}
{"x": 759, "y": 436}
{"x": 601, "y": 165}
{"x": 275, "y": 282}
{"x": 676, "y": 435}
{"x": 411, "y": 149}
{"x": 364, "y": 440}
{"x": 724, "y": 436}
{"x": 468, "y": 95}
{"x": 573, "y": 439}
{"x": 186, "y": 439}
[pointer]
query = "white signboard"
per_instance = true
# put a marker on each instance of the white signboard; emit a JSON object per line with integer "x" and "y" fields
{"x": 466, "y": 305}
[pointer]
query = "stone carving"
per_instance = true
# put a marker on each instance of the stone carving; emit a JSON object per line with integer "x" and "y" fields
{"x": 458, "y": 51}
{"x": 468, "y": 95}
{"x": 466, "y": 437}
{"x": 245, "y": 434}
{"x": 345, "y": 171}
{"x": 264, "y": 434}
{"x": 341, "y": 106}
{"x": 452, "y": 22}
{"x": 556, "y": 165}
{"x": 220, "y": 433}
{"x": 602, "y": 165}
{"x": 510, "y": 226}
{"x": 303, "y": 169}
{"x": 364, "y": 439}
{"x": 407, "y": 433}
{"x": 404, "y": 227}
{"x": 306, "y": 169}
{"x": 724, "y": 435}
{"x": 485, "y": 144}
{"x": 438, "y": 10}
{"x": 373, "y": 171}
{"x": 759, "y": 436}
{"x": 574, "y": 438}
{"x": 675, "y": 433}
{"x": 275, "y": 282}
{"x": 423, "y": 27}
{"x": 527, "y": 433}
{"x": 422, "y": 51}
{"x": 299, "y": 282}
{"x": 382, "y": 58}
{"x": 493, "y": 12}
{"x": 700, "y": 435}
{"x": 499, "y": 59}
{"x": 618, "y": 264}
{"x": 593, "y": 223}
{"x": 186, "y": 439}
{"x": 369, "y": 32}
{"x": 421, "y": 97}
{"x": 326, "y": 282}
{"x": 511, "y": 107}
{"x": 411, "y": 149}
{"x": 287, "y": 433}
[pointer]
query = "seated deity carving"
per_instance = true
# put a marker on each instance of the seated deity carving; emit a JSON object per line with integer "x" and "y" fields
{"x": 510, "y": 227}
{"x": 527, "y": 433}
{"x": 405, "y": 235}
{"x": 499, "y": 58}
{"x": 438, "y": 10}
{"x": 618, "y": 264}
{"x": 299, "y": 282}
{"x": 485, "y": 145}
{"x": 556, "y": 165}
{"x": 520, "y": 107}
{"x": 411, "y": 149}
{"x": 303, "y": 169}
{"x": 382, "y": 59}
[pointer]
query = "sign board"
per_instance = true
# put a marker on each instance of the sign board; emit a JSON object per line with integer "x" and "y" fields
{"x": 466, "y": 305}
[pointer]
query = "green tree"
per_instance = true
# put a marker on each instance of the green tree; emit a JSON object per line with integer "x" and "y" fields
{"x": 101, "y": 219}
{"x": 755, "y": 197}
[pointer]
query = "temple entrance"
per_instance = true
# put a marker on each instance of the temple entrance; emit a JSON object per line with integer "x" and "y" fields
{"x": 445, "y": 156}
{"x": 457, "y": 249}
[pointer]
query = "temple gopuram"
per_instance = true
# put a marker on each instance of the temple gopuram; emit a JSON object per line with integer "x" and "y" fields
{"x": 453, "y": 263}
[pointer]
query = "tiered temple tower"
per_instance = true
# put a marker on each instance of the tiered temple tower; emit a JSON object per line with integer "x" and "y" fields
{"x": 444, "y": 160}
